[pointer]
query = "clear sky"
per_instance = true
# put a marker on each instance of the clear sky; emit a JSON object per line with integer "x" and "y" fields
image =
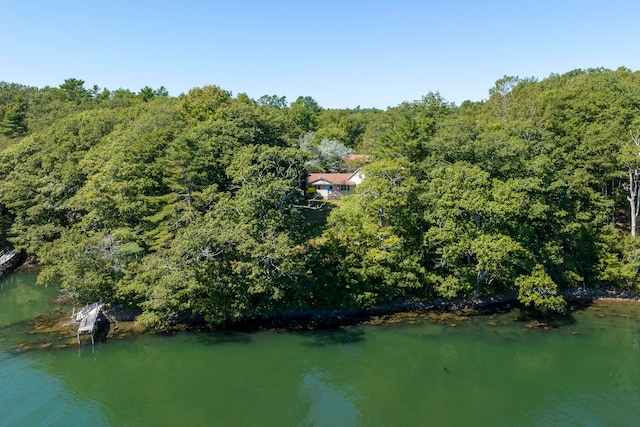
{"x": 342, "y": 53}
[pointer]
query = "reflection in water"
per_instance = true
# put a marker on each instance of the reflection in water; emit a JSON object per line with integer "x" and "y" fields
{"x": 223, "y": 337}
{"x": 20, "y": 299}
{"x": 326, "y": 403}
{"x": 499, "y": 370}
{"x": 333, "y": 336}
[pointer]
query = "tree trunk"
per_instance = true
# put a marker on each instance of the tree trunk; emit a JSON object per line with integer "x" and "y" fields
{"x": 634, "y": 200}
{"x": 633, "y": 195}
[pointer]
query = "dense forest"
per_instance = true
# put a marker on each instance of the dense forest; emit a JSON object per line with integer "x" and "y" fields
{"x": 195, "y": 203}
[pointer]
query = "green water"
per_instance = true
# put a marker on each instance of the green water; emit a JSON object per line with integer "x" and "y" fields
{"x": 21, "y": 300}
{"x": 485, "y": 371}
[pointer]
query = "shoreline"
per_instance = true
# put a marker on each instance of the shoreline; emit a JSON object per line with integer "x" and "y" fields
{"x": 336, "y": 317}
{"x": 123, "y": 319}
{"x": 55, "y": 331}
{"x": 333, "y": 318}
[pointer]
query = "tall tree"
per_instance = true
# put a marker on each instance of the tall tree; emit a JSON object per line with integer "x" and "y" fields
{"x": 13, "y": 121}
{"x": 304, "y": 113}
{"x": 73, "y": 90}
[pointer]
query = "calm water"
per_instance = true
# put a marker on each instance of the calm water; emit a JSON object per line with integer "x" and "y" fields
{"x": 485, "y": 371}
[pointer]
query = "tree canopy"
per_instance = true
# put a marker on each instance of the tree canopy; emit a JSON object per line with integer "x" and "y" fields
{"x": 195, "y": 203}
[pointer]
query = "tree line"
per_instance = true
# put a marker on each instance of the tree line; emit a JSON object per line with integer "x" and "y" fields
{"x": 193, "y": 203}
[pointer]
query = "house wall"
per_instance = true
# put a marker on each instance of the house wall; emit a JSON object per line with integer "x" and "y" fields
{"x": 325, "y": 191}
{"x": 357, "y": 177}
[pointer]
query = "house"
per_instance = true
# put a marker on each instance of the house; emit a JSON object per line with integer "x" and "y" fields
{"x": 332, "y": 185}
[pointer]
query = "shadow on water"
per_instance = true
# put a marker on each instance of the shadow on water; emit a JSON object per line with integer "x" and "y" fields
{"x": 332, "y": 336}
{"x": 103, "y": 328}
{"x": 549, "y": 320}
{"x": 223, "y": 337}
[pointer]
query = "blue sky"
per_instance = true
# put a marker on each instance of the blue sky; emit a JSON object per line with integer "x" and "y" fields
{"x": 342, "y": 53}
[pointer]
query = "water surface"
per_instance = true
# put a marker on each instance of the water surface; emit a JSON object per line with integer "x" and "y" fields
{"x": 497, "y": 370}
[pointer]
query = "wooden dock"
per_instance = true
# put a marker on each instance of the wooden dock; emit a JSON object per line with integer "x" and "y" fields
{"x": 87, "y": 318}
{"x": 7, "y": 257}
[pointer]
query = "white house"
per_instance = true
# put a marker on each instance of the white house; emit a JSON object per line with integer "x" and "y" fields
{"x": 333, "y": 185}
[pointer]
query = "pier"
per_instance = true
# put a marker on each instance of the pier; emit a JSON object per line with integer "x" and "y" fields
{"x": 8, "y": 258}
{"x": 87, "y": 318}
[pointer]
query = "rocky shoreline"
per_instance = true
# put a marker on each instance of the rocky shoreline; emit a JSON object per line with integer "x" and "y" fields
{"x": 53, "y": 330}
{"x": 613, "y": 293}
{"x": 343, "y": 316}
{"x": 312, "y": 318}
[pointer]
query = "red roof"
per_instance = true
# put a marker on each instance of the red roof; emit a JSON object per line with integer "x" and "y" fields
{"x": 365, "y": 157}
{"x": 331, "y": 178}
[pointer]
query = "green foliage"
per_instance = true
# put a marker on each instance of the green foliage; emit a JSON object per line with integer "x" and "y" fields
{"x": 304, "y": 113}
{"x": 345, "y": 126}
{"x": 13, "y": 119}
{"x": 540, "y": 291}
{"x": 274, "y": 101}
{"x": 147, "y": 93}
{"x": 202, "y": 103}
{"x": 73, "y": 90}
{"x": 194, "y": 205}
{"x": 520, "y": 192}
{"x": 409, "y": 128}
{"x": 376, "y": 235}
{"x": 242, "y": 259}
